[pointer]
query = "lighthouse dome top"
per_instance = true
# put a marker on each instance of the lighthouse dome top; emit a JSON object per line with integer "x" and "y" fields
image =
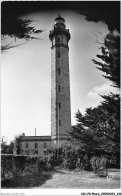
{"x": 59, "y": 19}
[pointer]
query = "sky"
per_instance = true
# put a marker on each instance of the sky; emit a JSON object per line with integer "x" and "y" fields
{"x": 26, "y": 75}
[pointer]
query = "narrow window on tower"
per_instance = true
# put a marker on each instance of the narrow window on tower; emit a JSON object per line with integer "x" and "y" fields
{"x": 59, "y": 122}
{"x": 45, "y": 145}
{"x": 59, "y": 104}
{"x": 58, "y": 54}
{"x": 59, "y": 71}
{"x": 59, "y": 39}
{"x": 59, "y": 88}
{"x": 36, "y": 145}
{"x": 26, "y": 145}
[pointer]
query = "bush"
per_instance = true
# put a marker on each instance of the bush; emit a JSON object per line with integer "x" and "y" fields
{"x": 86, "y": 163}
{"x": 99, "y": 165}
{"x": 93, "y": 164}
{"x": 7, "y": 183}
{"x": 31, "y": 168}
{"x": 102, "y": 172}
{"x": 113, "y": 161}
{"x": 70, "y": 158}
{"x": 6, "y": 166}
{"x": 12, "y": 166}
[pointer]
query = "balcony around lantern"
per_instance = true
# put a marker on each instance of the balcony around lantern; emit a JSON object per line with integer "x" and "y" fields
{"x": 58, "y": 31}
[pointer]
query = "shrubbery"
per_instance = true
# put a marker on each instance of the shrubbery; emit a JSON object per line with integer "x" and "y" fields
{"x": 68, "y": 157}
{"x": 12, "y": 166}
{"x": 99, "y": 165}
{"x": 71, "y": 158}
{"x": 6, "y": 165}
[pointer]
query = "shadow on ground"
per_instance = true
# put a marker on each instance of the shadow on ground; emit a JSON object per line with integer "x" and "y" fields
{"x": 27, "y": 181}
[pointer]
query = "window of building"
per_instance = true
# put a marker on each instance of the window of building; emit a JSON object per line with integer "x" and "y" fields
{"x": 59, "y": 71}
{"x": 59, "y": 104}
{"x": 58, "y": 54}
{"x": 36, "y": 151}
{"x": 45, "y": 145}
{"x": 59, "y": 122}
{"x": 36, "y": 145}
{"x": 26, "y": 145}
{"x": 59, "y": 88}
{"x": 59, "y": 39}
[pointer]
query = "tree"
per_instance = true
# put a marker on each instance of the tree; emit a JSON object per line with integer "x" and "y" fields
{"x": 110, "y": 65}
{"x": 99, "y": 128}
{"x": 84, "y": 138}
{"x": 110, "y": 57}
{"x": 107, "y": 12}
{"x": 6, "y": 148}
{"x": 102, "y": 124}
{"x": 3, "y": 144}
{"x": 17, "y": 142}
{"x": 96, "y": 131}
{"x": 14, "y": 26}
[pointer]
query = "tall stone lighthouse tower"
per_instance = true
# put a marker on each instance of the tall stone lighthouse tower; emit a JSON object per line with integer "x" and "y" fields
{"x": 60, "y": 84}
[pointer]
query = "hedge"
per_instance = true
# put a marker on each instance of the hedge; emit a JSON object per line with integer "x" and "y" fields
{"x": 12, "y": 165}
{"x": 67, "y": 157}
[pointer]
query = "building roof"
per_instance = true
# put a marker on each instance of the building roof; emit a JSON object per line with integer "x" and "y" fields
{"x": 35, "y": 138}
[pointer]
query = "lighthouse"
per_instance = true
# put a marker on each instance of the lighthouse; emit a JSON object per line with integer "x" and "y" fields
{"x": 60, "y": 83}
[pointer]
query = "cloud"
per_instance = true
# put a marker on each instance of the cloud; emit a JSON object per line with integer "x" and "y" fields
{"x": 100, "y": 90}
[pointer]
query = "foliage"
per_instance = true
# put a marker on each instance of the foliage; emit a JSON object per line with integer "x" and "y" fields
{"x": 113, "y": 161}
{"x": 87, "y": 165}
{"x": 85, "y": 138}
{"x": 98, "y": 130}
{"x": 6, "y": 148}
{"x": 72, "y": 157}
{"x": 13, "y": 166}
{"x": 99, "y": 165}
{"x": 28, "y": 176}
{"x": 19, "y": 28}
{"x": 17, "y": 142}
{"x": 6, "y": 165}
{"x": 14, "y": 26}
{"x": 56, "y": 157}
{"x": 103, "y": 122}
{"x": 12, "y": 23}
{"x": 3, "y": 145}
{"x": 69, "y": 157}
{"x": 103, "y": 11}
{"x": 110, "y": 65}
{"x": 110, "y": 57}
{"x": 31, "y": 166}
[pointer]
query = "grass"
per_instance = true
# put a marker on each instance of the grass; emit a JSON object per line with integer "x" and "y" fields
{"x": 82, "y": 180}
{"x": 64, "y": 179}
